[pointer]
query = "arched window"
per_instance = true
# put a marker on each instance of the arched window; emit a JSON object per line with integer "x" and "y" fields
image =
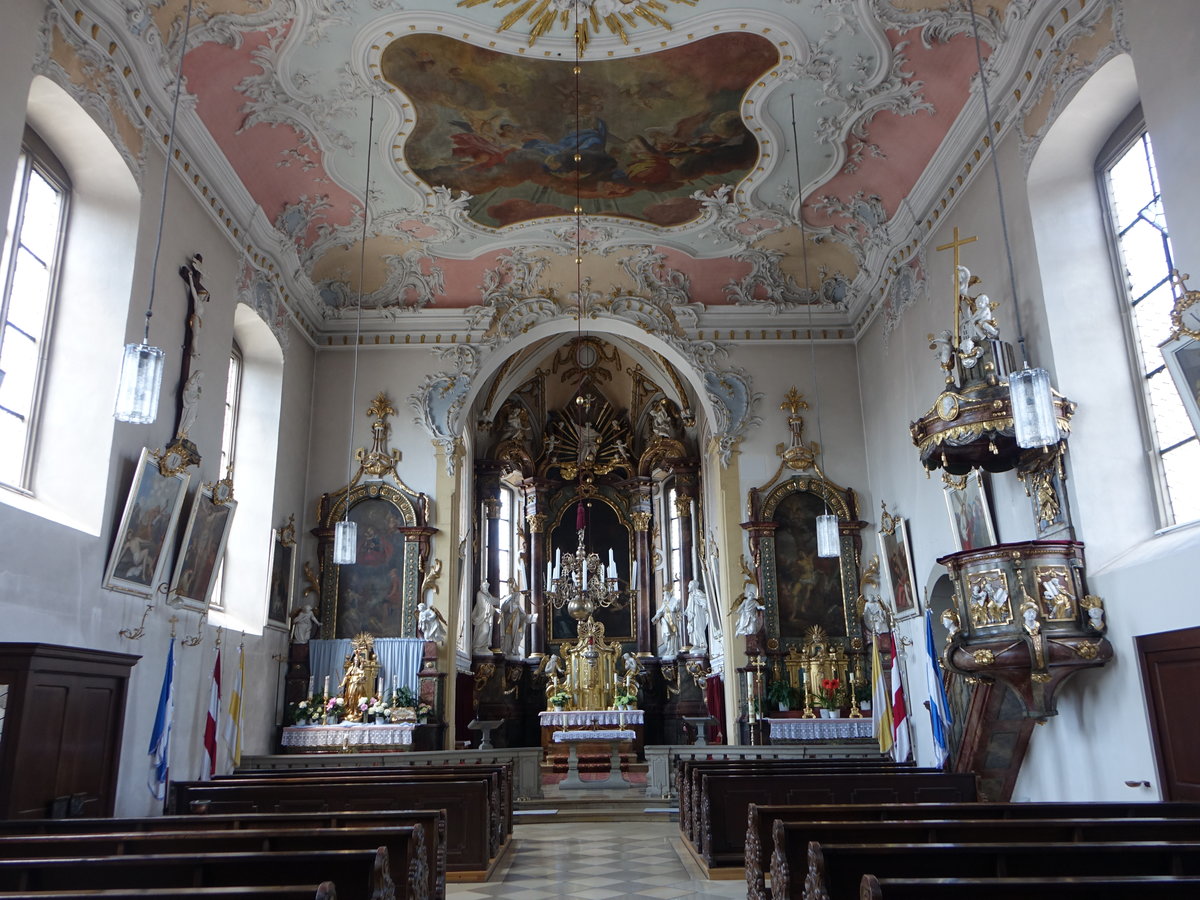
{"x": 250, "y": 439}
{"x": 1143, "y": 249}
{"x": 36, "y": 225}
{"x": 63, "y": 474}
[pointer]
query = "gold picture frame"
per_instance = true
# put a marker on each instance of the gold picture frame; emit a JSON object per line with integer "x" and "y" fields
{"x": 147, "y": 528}
{"x": 203, "y": 550}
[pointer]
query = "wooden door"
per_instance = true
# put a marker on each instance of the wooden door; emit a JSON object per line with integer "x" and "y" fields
{"x": 1170, "y": 665}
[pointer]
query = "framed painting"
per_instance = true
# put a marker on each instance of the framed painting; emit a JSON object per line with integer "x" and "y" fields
{"x": 1182, "y": 357}
{"x": 282, "y": 581}
{"x": 147, "y": 528}
{"x": 203, "y": 549}
{"x": 898, "y": 566}
{"x": 970, "y": 517}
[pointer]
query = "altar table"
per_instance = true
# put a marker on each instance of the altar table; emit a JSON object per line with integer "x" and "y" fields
{"x": 552, "y": 721}
{"x": 612, "y": 736}
{"x": 820, "y": 729}
{"x": 348, "y": 737}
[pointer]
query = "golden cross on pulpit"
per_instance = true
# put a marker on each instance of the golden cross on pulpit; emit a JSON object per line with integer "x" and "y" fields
{"x": 955, "y": 244}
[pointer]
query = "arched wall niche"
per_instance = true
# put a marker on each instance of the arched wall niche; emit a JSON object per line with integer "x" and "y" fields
{"x": 1085, "y": 326}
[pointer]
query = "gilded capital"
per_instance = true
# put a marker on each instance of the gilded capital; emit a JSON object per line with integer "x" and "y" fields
{"x": 536, "y": 522}
{"x": 641, "y": 520}
{"x": 683, "y": 505}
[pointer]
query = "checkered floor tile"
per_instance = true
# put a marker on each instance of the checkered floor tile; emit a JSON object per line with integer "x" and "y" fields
{"x": 597, "y": 861}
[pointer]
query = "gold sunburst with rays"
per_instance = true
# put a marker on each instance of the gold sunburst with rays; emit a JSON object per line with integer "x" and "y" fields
{"x": 583, "y": 17}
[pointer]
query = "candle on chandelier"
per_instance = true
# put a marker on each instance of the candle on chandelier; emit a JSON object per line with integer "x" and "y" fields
{"x": 634, "y": 578}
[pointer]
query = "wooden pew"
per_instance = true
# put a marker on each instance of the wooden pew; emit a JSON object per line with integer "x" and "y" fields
{"x": 251, "y": 892}
{"x": 1149, "y": 887}
{"x": 760, "y": 819}
{"x": 473, "y": 846}
{"x": 433, "y": 820}
{"x": 499, "y": 777}
{"x": 689, "y": 771}
{"x": 503, "y": 771}
{"x": 359, "y": 874}
{"x": 407, "y": 850}
{"x": 725, "y": 800}
{"x": 835, "y": 871}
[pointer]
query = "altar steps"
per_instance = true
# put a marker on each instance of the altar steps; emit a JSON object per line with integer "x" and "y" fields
{"x": 615, "y": 805}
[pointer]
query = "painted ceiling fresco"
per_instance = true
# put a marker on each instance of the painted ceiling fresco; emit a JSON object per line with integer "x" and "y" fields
{"x": 695, "y": 133}
{"x": 650, "y": 131}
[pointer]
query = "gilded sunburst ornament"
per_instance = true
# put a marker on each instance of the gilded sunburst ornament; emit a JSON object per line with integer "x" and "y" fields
{"x": 583, "y": 17}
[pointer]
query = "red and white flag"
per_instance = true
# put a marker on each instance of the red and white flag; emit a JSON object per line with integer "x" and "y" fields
{"x": 210, "y": 724}
{"x": 901, "y": 747}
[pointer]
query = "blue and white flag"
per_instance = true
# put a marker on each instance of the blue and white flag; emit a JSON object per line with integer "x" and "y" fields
{"x": 939, "y": 708}
{"x": 160, "y": 738}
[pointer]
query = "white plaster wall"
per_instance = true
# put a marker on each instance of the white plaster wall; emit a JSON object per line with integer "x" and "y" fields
{"x": 50, "y": 574}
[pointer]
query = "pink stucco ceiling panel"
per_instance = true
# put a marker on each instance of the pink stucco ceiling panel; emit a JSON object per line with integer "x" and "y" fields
{"x": 908, "y": 142}
{"x": 272, "y": 160}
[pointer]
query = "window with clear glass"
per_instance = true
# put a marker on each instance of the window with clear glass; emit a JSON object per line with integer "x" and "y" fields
{"x": 674, "y": 544}
{"x": 1144, "y": 245}
{"x": 505, "y": 537}
{"x": 29, "y": 269}
{"x": 233, "y": 396}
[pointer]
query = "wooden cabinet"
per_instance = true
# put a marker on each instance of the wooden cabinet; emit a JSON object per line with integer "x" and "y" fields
{"x": 62, "y": 710}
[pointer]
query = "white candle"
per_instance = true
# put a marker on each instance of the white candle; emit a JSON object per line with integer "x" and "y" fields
{"x": 311, "y": 685}
{"x": 395, "y": 682}
{"x": 326, "y": 691}
{"x": 633, "y": 581}
{"x": 549, "y": 574}
{"x": 612, "y": 564}
{"x": 557, "y": 564}
{"x": 585, "y": 571}
{"x": 379, "y": 686}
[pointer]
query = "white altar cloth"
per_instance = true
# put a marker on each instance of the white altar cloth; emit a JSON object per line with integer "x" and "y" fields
{"x": 605, "y": 734}
{"x": 348, "y": 735}
{"x": 820, "y": 729}
{"x": 590, "y": 718}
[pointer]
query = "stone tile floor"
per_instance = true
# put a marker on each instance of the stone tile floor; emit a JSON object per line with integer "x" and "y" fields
{"x": 597, "y": 861}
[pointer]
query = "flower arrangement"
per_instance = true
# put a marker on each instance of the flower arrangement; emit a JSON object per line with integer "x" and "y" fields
{"x": 559, "y": 699}
{"x": 335, "y": 707}
{"x": 830, "y": 694}
{"x": 374, "y": 707}
{"x": 299, "y": 712}
{"x": 424, "y": 711}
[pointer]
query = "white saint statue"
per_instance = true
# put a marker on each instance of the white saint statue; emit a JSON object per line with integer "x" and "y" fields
{"x": 667, "y": 620}
{"x": 482, "y": 617}
{"x": 431, "y": 623}
{"x": 697, "y": 617}
{"x": 513, "y": 620}
{"x": 748, "y": 610}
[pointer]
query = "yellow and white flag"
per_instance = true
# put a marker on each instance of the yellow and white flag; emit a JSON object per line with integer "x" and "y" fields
{"x": 881, "y": 700}
{"x": 233, "y": 724}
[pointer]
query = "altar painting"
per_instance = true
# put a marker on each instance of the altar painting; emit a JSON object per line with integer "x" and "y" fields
{"x": 809, "y": 588}
{"x": 370, "y": 593}
{"x": 651, "y": 130}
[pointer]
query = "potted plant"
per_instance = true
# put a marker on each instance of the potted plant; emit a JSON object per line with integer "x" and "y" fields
{"x": 298, "y": 713}
{"x": 559, "y": 700}
{"x": 780, "y": 693}
{"x": 830, "y": 697}
{"x": 862, "y": 693}
{"x": 424, "y": 712}
{"x": 621, "y": 700}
